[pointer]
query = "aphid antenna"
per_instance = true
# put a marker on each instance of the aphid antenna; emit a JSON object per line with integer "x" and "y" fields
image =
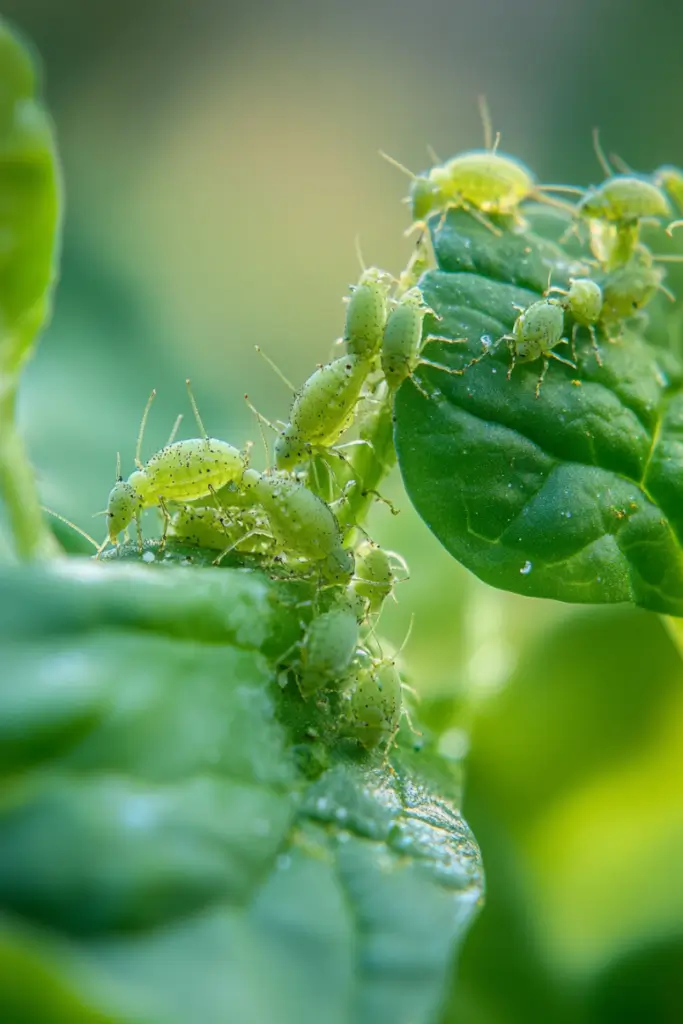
{"x": 141, "y": 432}
{"x": 261, "y": 419}
{"x": 667, "y": 259}
{"x": 275, "y": 368}
{"x": 433, "y": 155}
{"x": 118, "y": 476}
{"x": 666, "y": 291}
{"x": 359, "y": 253}
{"x": 487, "y": 125}
{"x": 195, "y": 410}
{"x": 672, "y": 227}
{"x": 174, "y": 431}
{"x": 399, "y": 166}
{"x": 600, "y": 154}
{"x": 67, "y": 522}
{"x": 231, "y": 547}
{"x": 620, "y": 164}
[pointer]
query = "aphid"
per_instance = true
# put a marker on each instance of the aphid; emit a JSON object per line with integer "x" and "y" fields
{"x": 301, "y": 523}
{"x": 216, "y": 529}
{"x": 375, "y": 573}
{"x": 402, "y": 342}
{"x": 322, "y": 410}
{"x": 670, "y": 179}
{"x": 622, "y": 201}
{"x": 478, "y": 181}
{"x": 181, "y": 471}
{"x": 537, "y": 331}
{"x": 584, "y": 301}
{"x": 375, "y": 701}
{"x": 327, "y": 649}
{"x": 628, "y": 289}
{"x": 366, "y": 313}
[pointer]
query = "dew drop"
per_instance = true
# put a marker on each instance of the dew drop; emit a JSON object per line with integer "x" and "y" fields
{"x": 526, "y": 569}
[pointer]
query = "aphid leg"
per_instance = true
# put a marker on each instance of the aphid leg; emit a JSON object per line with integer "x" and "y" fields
{"x": 141, "y": 433}
{"x": 488, "y": 349}
{"x": 620, "y": 164}
{"x": 594, "y": 343}
{"x": 575, "y": 331}
{"x": 167, "y": 522}
{"x": 138, "y": 524}
{"x": 174, "y": 431}
{"x": 195, "y": 409}
{"x": 673, "y": 225}
{"x": 510, "y": 342}
{"x": 438, "y": 366}
{"x": 385, "y": 501}
{"x": 231, "y": 547}
{"x": 546, "y": 363}
{"x": 102, "y": 547}
{"x": 481, "y": 217}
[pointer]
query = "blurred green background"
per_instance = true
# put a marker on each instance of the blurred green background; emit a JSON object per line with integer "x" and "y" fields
{"x": 219, "y": 160}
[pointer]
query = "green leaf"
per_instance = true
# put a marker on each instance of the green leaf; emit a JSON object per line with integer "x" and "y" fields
{"x": 30, "y": 196}
{"x": 179, "y": 840}
{"x": 575, "y": 495}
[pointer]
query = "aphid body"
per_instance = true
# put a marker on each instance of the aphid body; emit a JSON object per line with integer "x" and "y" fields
{"x": 375, "y": 574}
{"x": 328, "y": 648}
{"x": 402, "y": 342}
{"x": 322, "y": 410}
{"x": 218, "y": 530}
{"x": 487, "y": 181}
{"x": 584, "y": 301}
{"x": 181, "y": 471}
{"x": 366, "y": 313}
{"x": 302, "y": 524}
{"x": 628, "y": 289}
{"x": 623, "y": 199}
{"x": 375, "y": 702}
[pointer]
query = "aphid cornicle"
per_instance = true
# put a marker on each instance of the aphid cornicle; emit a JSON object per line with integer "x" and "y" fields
{"x": 537, "y": 331}
{"x": 402, "y": 342}
{"x": 366, "y": 313}
{"x": 322, "y": 410}
{"x": 181, "y": 471}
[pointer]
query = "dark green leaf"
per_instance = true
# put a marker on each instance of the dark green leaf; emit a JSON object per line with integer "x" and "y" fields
{"x": 177, "y": 843}
{"x": 575, "y": 495}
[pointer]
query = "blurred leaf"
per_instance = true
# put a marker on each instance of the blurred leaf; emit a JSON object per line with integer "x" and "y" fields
{"x": 575, "y": 495}
{"x": 29, "y": 220}
{"x": 170, "y": 819}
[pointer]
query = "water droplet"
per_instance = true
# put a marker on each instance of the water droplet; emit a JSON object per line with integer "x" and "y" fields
{"x": 283, "y": 862}
{"x": 526, "y": 569}
{"x": 148, "y": 556}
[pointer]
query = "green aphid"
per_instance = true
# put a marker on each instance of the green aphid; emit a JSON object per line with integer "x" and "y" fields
{"x": 366, "y": 313}
{"x": 322, "y": 410}
{"x": 403, "y": 342}
{"x": 375, "y": 703}
{"x": 182, "y": 471}
{"x": 375, "y": 574}
{"x": 327, "y": 649}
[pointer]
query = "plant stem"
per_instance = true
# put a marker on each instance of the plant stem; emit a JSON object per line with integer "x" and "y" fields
{"x": 32, "y": 538}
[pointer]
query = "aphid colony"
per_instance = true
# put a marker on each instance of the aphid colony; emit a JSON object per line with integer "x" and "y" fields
{"x": 621, "y": 275}
{"x": 285, "y": 519}
{"x": 301, "y": 518}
